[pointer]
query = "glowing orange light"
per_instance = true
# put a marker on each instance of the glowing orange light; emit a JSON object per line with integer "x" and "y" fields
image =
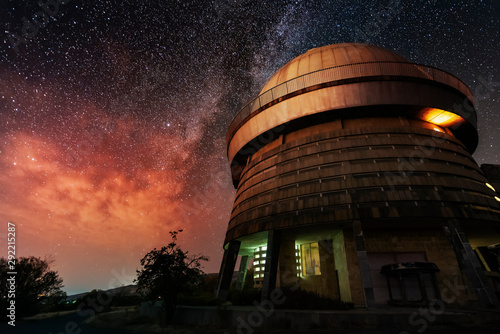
{"x": 440, "y": 117}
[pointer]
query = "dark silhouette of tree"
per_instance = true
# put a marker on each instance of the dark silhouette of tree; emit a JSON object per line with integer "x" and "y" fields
{"x": 34, "y": 281}
{"x": 168, "y": 271}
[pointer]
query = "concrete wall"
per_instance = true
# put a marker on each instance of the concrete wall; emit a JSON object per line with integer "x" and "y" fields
{"x": 341, "y": 266}
{"x": 355, "y": 281}
{"x": 287, "y": 268}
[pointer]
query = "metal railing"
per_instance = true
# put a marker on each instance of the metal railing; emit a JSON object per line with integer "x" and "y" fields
{"x": 343, "y": 72}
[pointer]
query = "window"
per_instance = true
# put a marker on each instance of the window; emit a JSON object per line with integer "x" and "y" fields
{"x": 259, "y": 265}
{"x": 310, "y": 259}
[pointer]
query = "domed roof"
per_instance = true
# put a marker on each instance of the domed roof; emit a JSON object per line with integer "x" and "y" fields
{"x": 331, "y": 56}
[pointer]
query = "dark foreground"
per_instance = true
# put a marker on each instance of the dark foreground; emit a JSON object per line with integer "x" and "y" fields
{"x": 75, "y": 324}
{"x": 67, "y": 324}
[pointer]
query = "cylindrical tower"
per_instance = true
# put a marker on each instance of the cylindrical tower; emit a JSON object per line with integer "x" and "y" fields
{"x": 351, "y": 159}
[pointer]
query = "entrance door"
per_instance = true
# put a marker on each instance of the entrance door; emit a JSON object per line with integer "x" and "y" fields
{"x": 377, "y": 260}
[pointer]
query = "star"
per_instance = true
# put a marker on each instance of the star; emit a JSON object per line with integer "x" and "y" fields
{"x": 121, "y": 109}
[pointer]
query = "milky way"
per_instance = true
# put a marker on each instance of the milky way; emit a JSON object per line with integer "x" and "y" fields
{"x": 113, "y": 113}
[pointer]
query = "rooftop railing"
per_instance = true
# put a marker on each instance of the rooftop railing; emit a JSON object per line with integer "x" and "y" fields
{"x": 343, "y": 72}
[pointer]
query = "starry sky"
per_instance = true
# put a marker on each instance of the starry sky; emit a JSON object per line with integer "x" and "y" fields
{"x": 113, "y": 113}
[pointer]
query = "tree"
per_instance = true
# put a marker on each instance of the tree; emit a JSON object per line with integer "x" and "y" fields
{"x": 33, "y": 280}
{"x": 167, "y": 272}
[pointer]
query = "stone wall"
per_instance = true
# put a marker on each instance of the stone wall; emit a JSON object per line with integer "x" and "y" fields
{"x": 437, "y": 249}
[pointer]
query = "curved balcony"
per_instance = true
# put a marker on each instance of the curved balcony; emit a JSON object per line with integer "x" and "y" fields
{"x": 343, "y": 74}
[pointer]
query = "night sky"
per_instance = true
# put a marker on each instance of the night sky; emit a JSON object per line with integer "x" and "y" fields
{"x": 113, "y": 114}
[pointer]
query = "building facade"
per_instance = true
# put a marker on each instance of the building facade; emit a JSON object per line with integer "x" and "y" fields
{"x": 355, "y": 180}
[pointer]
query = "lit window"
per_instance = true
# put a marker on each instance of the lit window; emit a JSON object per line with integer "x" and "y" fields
{"x": 259, "y": 261}
{"x": 263, "y": 248}
{"x": 310, "y": 259}
{"x": 297, "y": 260}
{"x": 490, "y": 186}
{"x": 440, "y": 117}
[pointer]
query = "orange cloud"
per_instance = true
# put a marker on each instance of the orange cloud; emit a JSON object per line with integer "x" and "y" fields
{"x": 99, "y": 191}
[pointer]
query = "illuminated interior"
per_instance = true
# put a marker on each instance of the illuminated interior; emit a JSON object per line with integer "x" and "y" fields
{"x": 440, "y": 117}
{"x": 310, "y": 259}
{"x": 259, "y": 266}
{"x": 298, "y": 260}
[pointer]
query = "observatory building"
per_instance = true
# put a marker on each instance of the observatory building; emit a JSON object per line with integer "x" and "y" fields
{"x": 355, "y": 180}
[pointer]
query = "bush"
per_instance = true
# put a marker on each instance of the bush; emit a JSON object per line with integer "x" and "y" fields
{"x": 34, "y": 279}
{"x": 167, "y": 272}
{"x": 56, "y": 305}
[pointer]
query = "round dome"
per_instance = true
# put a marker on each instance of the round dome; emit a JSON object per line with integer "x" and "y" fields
{"x": 331, "y": 56}
{"x": 352, "y": 80}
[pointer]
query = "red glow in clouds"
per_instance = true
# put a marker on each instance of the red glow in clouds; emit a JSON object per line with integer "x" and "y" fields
{"x": 98, "y": 191}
